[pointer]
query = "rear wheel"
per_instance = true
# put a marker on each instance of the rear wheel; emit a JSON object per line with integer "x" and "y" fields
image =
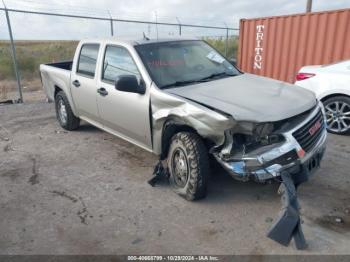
{"x": 64, "y": 112}
{"x": 188, "y": 165}
{"x": 338, "y": 114}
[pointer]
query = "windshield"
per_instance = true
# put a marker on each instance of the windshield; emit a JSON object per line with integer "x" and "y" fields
{"x": 178, "y": 63}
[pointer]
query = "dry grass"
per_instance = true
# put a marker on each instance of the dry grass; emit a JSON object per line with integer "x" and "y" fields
{"x": 30, "y": 54}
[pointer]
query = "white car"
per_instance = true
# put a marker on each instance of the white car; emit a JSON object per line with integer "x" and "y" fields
{"x": 331, "y": 84}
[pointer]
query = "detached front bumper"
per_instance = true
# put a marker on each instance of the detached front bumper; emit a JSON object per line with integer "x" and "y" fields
{"x": 302, "y": 151}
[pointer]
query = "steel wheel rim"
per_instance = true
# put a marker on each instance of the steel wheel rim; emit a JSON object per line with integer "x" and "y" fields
{"x": 338, "y": 116}
{"x": 62, "y": 112}
{"x": 179, "y": 167}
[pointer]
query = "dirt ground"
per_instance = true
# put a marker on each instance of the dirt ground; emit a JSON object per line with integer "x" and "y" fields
{"x": 86, "y": 192}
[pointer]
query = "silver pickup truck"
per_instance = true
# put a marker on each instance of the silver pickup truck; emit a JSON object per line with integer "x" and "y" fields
{"x": 183, "y": 101}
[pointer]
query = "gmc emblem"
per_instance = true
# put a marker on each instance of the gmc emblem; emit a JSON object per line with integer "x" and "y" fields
{"x": 314, "y": 128}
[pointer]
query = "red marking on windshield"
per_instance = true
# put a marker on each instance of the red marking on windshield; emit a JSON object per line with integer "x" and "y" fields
{"x": 161, "y": 63}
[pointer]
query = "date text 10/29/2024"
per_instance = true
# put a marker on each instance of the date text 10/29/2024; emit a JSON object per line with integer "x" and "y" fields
{"x": 173, "y": 258}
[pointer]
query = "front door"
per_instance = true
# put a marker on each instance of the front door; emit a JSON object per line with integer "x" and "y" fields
{"x": 123, "y": 113}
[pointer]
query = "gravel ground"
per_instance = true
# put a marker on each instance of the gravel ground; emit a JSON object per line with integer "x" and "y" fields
{"x": 85, "y": 192}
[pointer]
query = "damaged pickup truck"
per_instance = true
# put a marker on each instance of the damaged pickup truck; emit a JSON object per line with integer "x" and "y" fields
{"x": 183, "y": 101}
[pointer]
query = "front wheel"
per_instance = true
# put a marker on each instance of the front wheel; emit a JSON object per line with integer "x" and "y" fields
{"x": 188, "y": 165}
{"x": 338, "y": 114}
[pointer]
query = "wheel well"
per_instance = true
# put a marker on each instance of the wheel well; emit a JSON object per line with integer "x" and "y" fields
{"x": 170, "y": 129}
{"x": 333, "y": 95}
{"x": 57, "y": 89}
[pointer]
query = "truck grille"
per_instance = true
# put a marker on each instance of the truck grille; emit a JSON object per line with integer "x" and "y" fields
{"x": 308, "y": 135}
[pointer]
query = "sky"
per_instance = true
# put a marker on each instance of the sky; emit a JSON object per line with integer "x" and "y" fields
{"x": 222, "y": 13}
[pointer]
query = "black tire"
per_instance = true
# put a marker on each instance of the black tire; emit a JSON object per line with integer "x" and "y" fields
{"x": 330, "y": 107}
{"x": 71, "y": 122}
{"x": 193, "y": 185}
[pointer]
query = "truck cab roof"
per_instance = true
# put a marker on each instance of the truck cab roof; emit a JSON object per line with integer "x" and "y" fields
{"x": 135, "y": 42}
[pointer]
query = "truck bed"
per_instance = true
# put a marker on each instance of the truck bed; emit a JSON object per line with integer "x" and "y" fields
{"x": 56, "y": 75}
{"x": 66, "y": 65}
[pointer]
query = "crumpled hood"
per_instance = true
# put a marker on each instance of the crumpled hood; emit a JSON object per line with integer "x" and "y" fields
{"x": 249, "y": 97}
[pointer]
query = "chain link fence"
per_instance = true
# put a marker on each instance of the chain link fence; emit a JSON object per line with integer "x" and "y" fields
{"x": 30, "y": 37}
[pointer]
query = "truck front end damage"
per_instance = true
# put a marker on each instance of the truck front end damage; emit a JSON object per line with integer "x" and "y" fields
{"x": 288, "y": 150}
{"x": 263, "y": 151}
{"x": 247, "y": 150}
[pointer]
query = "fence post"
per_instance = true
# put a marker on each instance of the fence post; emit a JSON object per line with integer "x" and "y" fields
{"x": 14, "y": 58}
{"x": 112, "y": 30}
{"x": 111, "y": 21}
{"x": 226, "y": 44}
{"x": 155, "y": 12}
{"x": 180, "y": 27}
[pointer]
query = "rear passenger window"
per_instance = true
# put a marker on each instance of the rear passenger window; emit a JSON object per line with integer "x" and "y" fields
{"x": 87, "y": 59}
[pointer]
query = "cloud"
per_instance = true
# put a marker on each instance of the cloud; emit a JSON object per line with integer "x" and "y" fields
{"x": 205, "y": 12}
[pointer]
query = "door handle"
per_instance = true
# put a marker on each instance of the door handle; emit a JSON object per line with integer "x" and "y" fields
{"x": 102, "y": 91}
{"x": 76, "y": 83}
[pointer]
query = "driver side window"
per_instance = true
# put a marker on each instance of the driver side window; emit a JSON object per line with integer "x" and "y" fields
{"x": 117, "y": 62}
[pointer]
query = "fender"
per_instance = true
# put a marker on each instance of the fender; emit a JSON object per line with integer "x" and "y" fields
{"x": 52, "y": 79}
{"x": 333, "y": 92}
{"x": 207, "y": 123}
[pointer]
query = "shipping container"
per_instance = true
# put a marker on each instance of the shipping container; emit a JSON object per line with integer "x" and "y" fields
{"x": 279, "y": 46}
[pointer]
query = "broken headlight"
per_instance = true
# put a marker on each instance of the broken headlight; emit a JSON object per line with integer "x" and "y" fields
{"x": 248, "y": 143}
{"x": 253, "y": 137}
{"x": 264, "y": 135}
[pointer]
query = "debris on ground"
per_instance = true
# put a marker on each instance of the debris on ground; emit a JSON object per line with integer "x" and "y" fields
{"x": 288, "y": 223}
{"x": 159, "y": 172}
{"x": 338, "y": 220}
{"x": 268, "y": 220}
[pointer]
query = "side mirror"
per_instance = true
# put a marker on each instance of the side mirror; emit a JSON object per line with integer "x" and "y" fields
{"x": 129, "y": 83}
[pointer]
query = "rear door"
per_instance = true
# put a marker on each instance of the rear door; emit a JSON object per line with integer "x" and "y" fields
{"x": 83, "y": 81}
{"x": 124, "y": 114}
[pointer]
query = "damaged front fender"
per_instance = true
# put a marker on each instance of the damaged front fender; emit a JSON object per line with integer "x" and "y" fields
{"x": 208, "y": 123}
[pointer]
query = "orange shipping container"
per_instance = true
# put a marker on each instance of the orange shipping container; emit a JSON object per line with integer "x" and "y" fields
{"x": 279, "y": 46}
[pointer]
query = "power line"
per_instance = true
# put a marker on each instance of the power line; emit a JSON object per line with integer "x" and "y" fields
{"x": 61, "y": 6}
{"x": 107, "y": 18}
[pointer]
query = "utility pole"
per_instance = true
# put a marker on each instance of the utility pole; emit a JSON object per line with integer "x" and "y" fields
{"x": 309, "y": 6}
